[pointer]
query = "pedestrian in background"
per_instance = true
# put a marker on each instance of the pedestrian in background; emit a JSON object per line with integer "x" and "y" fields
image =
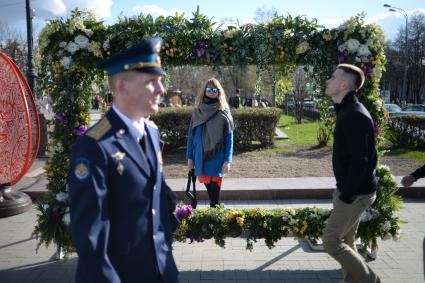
{"x": 210, "y": 139}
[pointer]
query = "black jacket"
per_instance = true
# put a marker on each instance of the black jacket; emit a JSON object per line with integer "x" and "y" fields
{"x": 354, "y": 153}
{"x": 419, "y": 173}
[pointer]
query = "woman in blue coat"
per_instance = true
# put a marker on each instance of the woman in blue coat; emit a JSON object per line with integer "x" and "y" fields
{"x": 210, "y": 139}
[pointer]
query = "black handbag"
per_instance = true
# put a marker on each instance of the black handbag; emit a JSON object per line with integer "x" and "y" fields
{"x": 190, "y": 198}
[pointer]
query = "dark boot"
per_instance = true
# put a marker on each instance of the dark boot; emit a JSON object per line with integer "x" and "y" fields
{"x": 214, "y": 194}
{"x": 208, "y": 186}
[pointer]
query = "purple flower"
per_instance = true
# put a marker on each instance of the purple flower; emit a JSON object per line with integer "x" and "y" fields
{"x": 341, "y": 57}
{"x": 200, "y": 49}
{"x": 54, "y": 215}
{"x": 212, "y": 56}
{"x": 368, "y": 71}
{"x": 184, "y": 211}
{"x": 80, "y": 131}
{"x": 60, "y": 117}
{"x": 377, "y": 131}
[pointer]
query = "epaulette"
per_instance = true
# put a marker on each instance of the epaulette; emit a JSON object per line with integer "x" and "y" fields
{"x": 150, "y": 123}
{"x": 98, "y": 130}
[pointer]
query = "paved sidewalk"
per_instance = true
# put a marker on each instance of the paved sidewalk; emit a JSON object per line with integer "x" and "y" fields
{"x": 289, "y": 261}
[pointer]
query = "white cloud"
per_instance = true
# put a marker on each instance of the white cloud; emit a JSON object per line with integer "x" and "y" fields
{"x": 155, "y": 11}
{"x": 48, "y": 9}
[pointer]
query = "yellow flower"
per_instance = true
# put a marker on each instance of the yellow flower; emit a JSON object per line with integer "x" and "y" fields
{"x": 327, "y": 36}
{"x": 302, "y": 47}
{"x": 94, "y": 47}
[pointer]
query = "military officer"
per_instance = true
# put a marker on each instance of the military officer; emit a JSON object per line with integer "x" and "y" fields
{"x": 121, "y": 213}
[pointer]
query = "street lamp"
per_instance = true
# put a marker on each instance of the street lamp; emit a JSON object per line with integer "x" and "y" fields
{"x": 402, "y": 12}
{"x": 31, "y": 74}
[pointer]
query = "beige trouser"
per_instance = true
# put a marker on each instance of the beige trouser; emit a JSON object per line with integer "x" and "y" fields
{"x": 339, "y": 235}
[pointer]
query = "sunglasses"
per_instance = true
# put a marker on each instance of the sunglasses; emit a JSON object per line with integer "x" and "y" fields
{"x": 211, "y": 89}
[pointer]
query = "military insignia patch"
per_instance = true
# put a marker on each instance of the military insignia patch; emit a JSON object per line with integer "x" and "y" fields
{"x": 118, "y": 155}
{"x": 82, "y": 168}
{"x": 120, "y": 168}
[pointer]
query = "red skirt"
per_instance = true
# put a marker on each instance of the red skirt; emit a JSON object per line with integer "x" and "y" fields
{"x": 209, "y": 179}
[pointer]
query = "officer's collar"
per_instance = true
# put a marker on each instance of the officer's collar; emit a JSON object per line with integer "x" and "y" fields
{"x": 137, "y": 129}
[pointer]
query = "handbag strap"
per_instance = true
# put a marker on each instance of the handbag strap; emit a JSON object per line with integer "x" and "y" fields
{"x": 191, "y": 178}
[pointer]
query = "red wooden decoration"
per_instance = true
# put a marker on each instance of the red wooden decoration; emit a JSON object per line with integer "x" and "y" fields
{"x": 17, "y": 150}
{"x": 34, "y": 118}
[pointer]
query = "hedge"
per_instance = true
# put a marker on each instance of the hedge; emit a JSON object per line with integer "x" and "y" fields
{"x": 253, "y": 126}
{"x": 407, "y": 131}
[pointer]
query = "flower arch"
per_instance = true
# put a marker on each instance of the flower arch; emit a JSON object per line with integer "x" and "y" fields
{"x": 70, "y": 47}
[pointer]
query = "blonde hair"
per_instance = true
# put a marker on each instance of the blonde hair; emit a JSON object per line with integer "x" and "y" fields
{"x": 222, "y": 101}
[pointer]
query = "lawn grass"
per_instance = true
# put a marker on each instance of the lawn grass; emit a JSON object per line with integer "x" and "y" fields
{"x": 304, "y": 134}
{"x": 416, "y": 154}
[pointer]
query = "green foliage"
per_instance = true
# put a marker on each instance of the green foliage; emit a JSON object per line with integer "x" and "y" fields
{"x": 70, "y": 48}
{"x": 253, "y": 125}
{"x": 173, "y": 124}
{"x": 303, "y": 223}
{"x": 406, "y": 132}
{"x": 380, "y": 220}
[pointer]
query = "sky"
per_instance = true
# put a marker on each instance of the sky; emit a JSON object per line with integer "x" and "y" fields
{"x": 329, "y": 13}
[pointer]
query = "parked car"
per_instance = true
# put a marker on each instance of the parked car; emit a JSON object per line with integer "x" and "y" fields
{"x": 393, "y": 109}
{"x": 415, "y": 110}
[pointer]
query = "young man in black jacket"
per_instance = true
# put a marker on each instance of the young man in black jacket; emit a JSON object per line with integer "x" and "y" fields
{"x": 354, "y": 161}
{"x": 408, "y": 180}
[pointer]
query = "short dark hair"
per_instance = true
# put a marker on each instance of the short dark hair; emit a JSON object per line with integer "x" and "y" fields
{"x": 238, "y": 90}
{"x": 356, "y": 72}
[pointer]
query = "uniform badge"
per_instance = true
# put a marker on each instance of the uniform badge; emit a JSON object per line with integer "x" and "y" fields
{"x": 120, "y": 168}
{"x": 159, "y": 155}
{"x": 118, "y": 155}
{"x": 82, "y": 168}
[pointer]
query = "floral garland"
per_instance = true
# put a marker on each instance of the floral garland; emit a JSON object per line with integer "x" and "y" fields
{"x": 71, "y": 47}
{"x": 378, "y": 221}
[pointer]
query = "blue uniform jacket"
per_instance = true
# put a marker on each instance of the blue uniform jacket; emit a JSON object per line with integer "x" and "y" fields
{"x": 120, "y": 218}
{"x": 213, "y": 167}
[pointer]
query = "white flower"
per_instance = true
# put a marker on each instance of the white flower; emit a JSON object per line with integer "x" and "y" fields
{"x": 66, "y": 219}
{"x": 358, "y": 59}
{"x": 61, "y": 196}
{"x": 284, "y": 218}
{"x": 385, "y": 168}
{"x": 89, "y": 32}
{"x": 72, "y": 47}
{"x": 105, "y": 45}
{"x": 60, "y": 53}
{"x": 352, "y": 45}
{"x": 385, "y": 226}
{"x": 363, "y": 50}
{"x": 82, "y": 41}
{"x": 211, "y": 226}
{"x": 364, "y": 59}
{"x": 45, "y": 206}
{"x": 378, "y": 104}
{"x": 377, "y": 72}
{"x": 62, "y": 44}
{"x": 66, "y": 62}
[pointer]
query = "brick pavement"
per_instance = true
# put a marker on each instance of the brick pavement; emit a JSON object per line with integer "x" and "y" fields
{"x": 289, "y": 261}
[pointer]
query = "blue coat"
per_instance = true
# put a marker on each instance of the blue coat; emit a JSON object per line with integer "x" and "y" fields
{"x": 213, "y": 167}
{"x": 120, "y": 217}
